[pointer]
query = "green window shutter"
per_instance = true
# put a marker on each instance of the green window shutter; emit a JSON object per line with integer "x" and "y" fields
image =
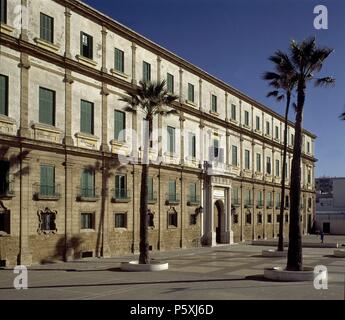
{"x": 246, "y": 159}
{"x": 150, "y": 185}
{"x": 86, "y": 117}
{"x": 246, "y": 118}
{"x": 234, "y": 155}
{"x": 46, "y": 28}
{"x": 3, "y": 11}
{"x": 146, "y": 71}
{"x": 172, "y": 189}
{"x": 46, "y": 106}
{"x": 88, "y": 183}
{"x": 277, "y": 168}
{"x": 192, "y": 191}
{"x": 190, "y": 92}
{"x": 47, "y": 181}
{"x": 119, "y": 125}
{"x": 3, "y": 95}
{"x": 171, "y": 139}
{"x": 170, "y": 83}
{"x": 192, "y": 145}
{"x": 257, "y": 123}
{"x": 233, "y": 112}
{"x": 119, "y": 60}
{"x": 258, "y": 162}
{"x": 214, "y": 103}
{"x": 90, "y": 47}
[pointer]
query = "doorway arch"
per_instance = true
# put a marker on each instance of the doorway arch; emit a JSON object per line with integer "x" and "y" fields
{"x": 219, "y": 223}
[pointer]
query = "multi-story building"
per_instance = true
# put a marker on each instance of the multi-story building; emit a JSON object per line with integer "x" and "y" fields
{"x": 70, "y": 174}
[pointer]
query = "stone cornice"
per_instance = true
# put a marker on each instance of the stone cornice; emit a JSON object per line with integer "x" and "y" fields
{"x": 64, "y": 62}
{"x": 136, "y": 38}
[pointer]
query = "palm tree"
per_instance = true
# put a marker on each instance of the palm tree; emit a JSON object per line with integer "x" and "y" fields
{"x": 153, "y": 98}
{"x": 307, "y": 60}
{"x": 342, "y": 116}
{"x": 283, "y": 80}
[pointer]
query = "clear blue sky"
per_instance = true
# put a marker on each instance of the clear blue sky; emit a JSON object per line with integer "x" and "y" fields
{"x": 232, "y": 39}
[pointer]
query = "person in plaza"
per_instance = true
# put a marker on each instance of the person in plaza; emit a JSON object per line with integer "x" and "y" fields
{"x": 322, "y": 235}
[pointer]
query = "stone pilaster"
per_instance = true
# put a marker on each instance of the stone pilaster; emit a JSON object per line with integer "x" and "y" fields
{"x": 181, "y": 85}
{"x": 104, "y": 50}
{"x": 106, "y": 252}
{"x": 226, "y": 107}
{"x": 68, "y": 107}
{"x": 68, "y": 33}
{"x": 182, "y": 120}
{"x": 200, "y": 94}
{"x": 25, "y": 20}
{"x": 227, "y": 156}
{"x": 25, "y": 255}
{"x": 24, "y": 65}
{"x": 134, "y": 76}
{"x": 104, "y": 142}
{"x": 69, "y": 202}
{"x": 201, "y": 141}
{"x": 242, "y": 218}
{"x": 159, "y": 60}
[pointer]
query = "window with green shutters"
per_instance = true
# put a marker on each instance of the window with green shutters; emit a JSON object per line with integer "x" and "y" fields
{"x": 150, "y": 188}
{"x": 120, "y": 186}
{"x": 246, "y": 118}
{"x": 172, "y": 191}
{"x": 308, "y": 147}
{"x": 3, "y": 11}
{"x": 119, "y": 125}
{"x": 86, "y": 45}
{"x": 190, "y": 92}
{"x": 3, "y": 95}
{"x": 277, "y": 200}
{"x": 257, "y": 123}
{"x": 119, "y": 60}
{"x": 234, "y": 196}
{"x": 248, "y": 198}
{"x": 277, "y": 168}
{"x": 215, "y": 148}
{"x": 234, "y": 156}
{"x": 171, "y": 140}
{"x": 213, "y": 103}
{"x": 86, "y": 117}
{"x": 47, "y": 183}
{"x": 268, "y": 165}
{"x": 170, "y": 83}
{"x": 268, "y": 130}
{"x": 146, "y": 71}
{"x": 233, "y": 112}
{"x": 247, "y": 159}
{"x": 277, "y": 132}
{"x": 46, "y": 28}
{"x": 258, "y": 162}
{"x": 46, "y": 106}
{"x": 269, "y": 200}
{"x": 192, "y": 192}
{"x": 87, "y": 188}
{"x": 192, "y": 145}
{"x": 260, "y": 199}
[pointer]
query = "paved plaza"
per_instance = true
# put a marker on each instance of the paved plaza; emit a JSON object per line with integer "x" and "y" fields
{"x": 222, "y": 272}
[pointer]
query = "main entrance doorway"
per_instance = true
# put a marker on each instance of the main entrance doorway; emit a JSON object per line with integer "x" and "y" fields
{"x": 219, "y": 219}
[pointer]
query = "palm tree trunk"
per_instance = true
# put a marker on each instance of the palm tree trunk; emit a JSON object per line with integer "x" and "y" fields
{"x": 281, "y": 220}
{"x": 294, "y": 261}
{"x": 144, "y": 244}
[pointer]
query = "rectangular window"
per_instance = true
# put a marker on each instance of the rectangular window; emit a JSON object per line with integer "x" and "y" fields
{"x": 46, "y": 28}
{"x": 258, "y": 123}
{"x": 150, "y": 188}
{"x": 277, "y": 168}
{"x": 268, "y": 165}
{"x": 172, "y": 218}
{"x": 86, "y": 45}
{"x": 120, "y": 186}
{"x": 233, "y": 112}
{"x": 86, "y": 117}
{"x": 3, "y": 11}
{"x": 277, "y": 132}
{"x": 192, "y": 192}
{"x": 277, "y": 200}
{"x": 234, "y": 196}
{"x": 269, "y": 218}
{"x": 215, "y": 148}
{"x": 171, "y": 140}
{"x": 258, "y": 162}
{"x": 87, "y": 184}
{"x": 47, "y": 181}
{"x": 268, "y": 128}
{"x": 308, "y": 147}
{"x": 260, "y": 199}
{"x": 309, "y": 176}
{"x": 119, "y": 125}
{"x": 3, "y": 95}
{"x": 170, "y": 83}
{"x": 172, "y": 190}
{"x": 46, "y": 106}
{"x": 120, "y": 220}
{"x": 192, "y": 145}
{"x": 286, "y": 170}
{"x": 190, "y": 92}
{"x": 5, "y": 222}
{"x": 87, "y": 221}
{"x": 269, "y": 200}
{"x": 213, "y": 103}
{"x": 247, "y": 159}
{"x": 119, "y": 60}
{"x": 246, "y": 118}
{"x": 247, "y": 198}
{"x": 146, "y": 71}
{"x": 292, "y": 139}
{"x": 234, "y": 156}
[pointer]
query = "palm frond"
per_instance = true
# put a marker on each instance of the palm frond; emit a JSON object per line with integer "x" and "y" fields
{"x": 326, "y": 81}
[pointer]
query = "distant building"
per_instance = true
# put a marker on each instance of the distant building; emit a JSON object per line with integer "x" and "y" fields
{"x": 330, "y": 205}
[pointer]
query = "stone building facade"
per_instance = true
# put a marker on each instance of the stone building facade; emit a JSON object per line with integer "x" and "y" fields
{"x": 70, "y": 154}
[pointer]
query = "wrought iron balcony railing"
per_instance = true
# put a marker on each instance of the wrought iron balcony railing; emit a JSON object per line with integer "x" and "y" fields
{"x": 6, "y": 189}
{"x": 87, "y": 194}
{"x": 172, "y": 199}
{"x": 46, "y": 192}
{"x": 121, "y": 195}
{"x": 193, "y": 200}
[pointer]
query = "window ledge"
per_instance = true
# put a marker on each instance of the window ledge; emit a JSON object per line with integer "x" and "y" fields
{"x": 5, "y": 28}
{"x": 46, "y": 132}
{"x": 246, "y": 126}
{"x": 191, "y": 103}
{"x": 268, "y": 136}
{"x": 88, "y": 199}
{"x": 87, "y": 230}
{"x": 86, "y": 61}
{"x": 118, "y": 73}
{"x": 118, "y": 143}
{"x": 46, "y": 127}
{"x": 172, "y": 202}
{"x": 40, "y": 197}
{"x": 4, "y": 234}
{"x": 120, "y": 200}
{"x": 7, "y": 119}
{"x": 7, "y": 195}
{"x": 7, "y": 124}
{"x": 257, "y": 131}
{"x": 276, "y": 140}
{"x": 46, "y": 45}
{"x": 83, "y": 135}
{"x": 215, "y": 113}
{"x": 233, "y": 121}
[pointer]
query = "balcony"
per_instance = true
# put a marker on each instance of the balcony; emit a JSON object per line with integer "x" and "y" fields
{"x": 46, "y": 192}
{"x": 6, "y": 190}
{"x": 172, "y": 199}
{"x": 152, "y": 197}
{"x": 248, "y": 204}
{"x": 260, "y": 204}
{"x": 87, "y": 194}
{"x": 269, "y": 205}
{"x": 193, "y": 200}
{"x": 121, "y": 195}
